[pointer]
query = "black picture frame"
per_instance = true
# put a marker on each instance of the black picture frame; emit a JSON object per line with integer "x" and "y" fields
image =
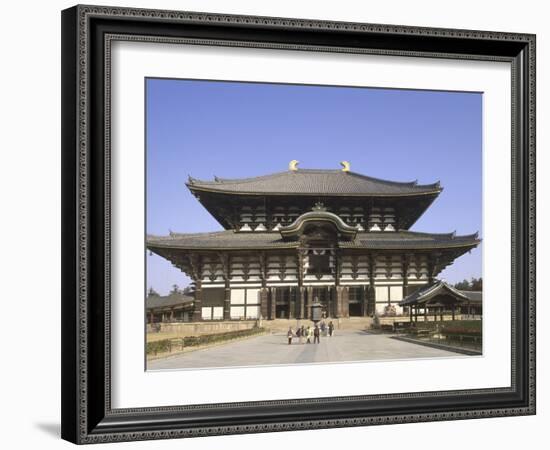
{"x": 87, "y": 415}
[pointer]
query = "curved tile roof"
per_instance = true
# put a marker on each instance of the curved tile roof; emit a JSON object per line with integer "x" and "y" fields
{"x": 231, "y": 240}
{"x": 426, "y": 293}
{"x": 165, "y": 301}
{"x": 314, "y": 182}
{"x": 412, "y": 239}
{"x": 227, "y": 239}
{"x": 474, "y": 296}
{"x": 318, "y": 215}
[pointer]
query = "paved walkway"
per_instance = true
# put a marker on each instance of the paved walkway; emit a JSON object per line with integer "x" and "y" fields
{"x": 273, "y": 349}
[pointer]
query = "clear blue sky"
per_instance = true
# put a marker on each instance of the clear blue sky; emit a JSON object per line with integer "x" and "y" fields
{"x": 232, "y": 130}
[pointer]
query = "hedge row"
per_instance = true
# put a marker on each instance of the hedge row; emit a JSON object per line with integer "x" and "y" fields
{"x": 166, "y": 345}
{"x": 463, "y": 331}
{"x": 159, "y": 346}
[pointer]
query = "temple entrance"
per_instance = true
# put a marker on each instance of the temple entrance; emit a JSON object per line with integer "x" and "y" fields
{"x": 356, "y": 295}
{"x": 285, "y": 302}
{"x": 355, "y": 310}
{"x": 324, "y": 295}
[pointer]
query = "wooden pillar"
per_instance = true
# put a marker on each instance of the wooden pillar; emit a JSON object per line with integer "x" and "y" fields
{"x": 372, "y": 300}
{"x": 425, "y": 313}
{"x": 301, "y": 302}
{"x": 264, "y": 303}
{"x": 365, "y": 301}
{"x": 226, "y": 270}
{"x": 172, "y": 315}
{"x": 308, "y": 301}
{"x": 264, "y": 292}
{"x": 433, "y": 262}
{"x": 197, "y": 304}
{"x": 329, "y": 301}
{"x": 435, "y": 314}
{"x": 272, "y": 302}
{"x": 371, "y": 258}
{"x": 227, "y": 301}
{"x": 345, "y": 301}
{"x": 333, "y": 301}
{"x": 416, "y": 313}
{"x": 291, "y": 302}
{"x": 405, "y": 262}
{"x": 195, "y": 269}
{"x": 411, "y": 313}
{"x": 441, "y": 312}
{"x": 453, "y": 312}
{"x": 338, "y": 305}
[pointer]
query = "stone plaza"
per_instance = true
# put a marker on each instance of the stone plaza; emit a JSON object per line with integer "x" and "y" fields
{"x": 273, "y": 349}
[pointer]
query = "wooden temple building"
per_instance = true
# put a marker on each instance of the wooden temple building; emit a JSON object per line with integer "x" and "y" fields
{"x": 174, "y": 307}
{"x": 294, "y": 237}
{"x": 438, "y": 299}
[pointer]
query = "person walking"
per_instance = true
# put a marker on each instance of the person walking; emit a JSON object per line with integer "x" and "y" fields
{"x": 330, "y": 328}
{"x": 289, "y": 336}
{"x": 316, "y": 334}
{"x": 299, "y": 334}
{"x": 309, "y": 334}
{"x": 323, "y": 328}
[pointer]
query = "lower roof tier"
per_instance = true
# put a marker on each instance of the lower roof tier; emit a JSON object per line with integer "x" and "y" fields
{"x": 231, "y": 240}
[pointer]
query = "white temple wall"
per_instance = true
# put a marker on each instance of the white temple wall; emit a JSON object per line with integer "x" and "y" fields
{"x": 388, "y": 295}
{"x": 245, "y": 303}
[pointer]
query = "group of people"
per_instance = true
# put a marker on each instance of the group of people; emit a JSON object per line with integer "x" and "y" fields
{"x": 310, "y": 333}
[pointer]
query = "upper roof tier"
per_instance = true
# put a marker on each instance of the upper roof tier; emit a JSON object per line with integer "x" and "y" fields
{"x": 314, "y": 182}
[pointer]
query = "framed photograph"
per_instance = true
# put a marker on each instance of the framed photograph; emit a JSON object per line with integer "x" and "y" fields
{"x": 281, "y": 224}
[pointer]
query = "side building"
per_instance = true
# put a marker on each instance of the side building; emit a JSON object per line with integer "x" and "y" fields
{"x": 294, "y": 237}
{"x": 439, "y": 299}
{"x": 177, "y": 306}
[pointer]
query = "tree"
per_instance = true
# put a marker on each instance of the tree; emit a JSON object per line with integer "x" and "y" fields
{"x": 477, "y": 284}
{"x": 188, "y": 290}
{"x": 463, "y": 285}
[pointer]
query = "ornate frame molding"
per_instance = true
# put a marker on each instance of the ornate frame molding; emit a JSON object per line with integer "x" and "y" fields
{"x": 88, "y": 31}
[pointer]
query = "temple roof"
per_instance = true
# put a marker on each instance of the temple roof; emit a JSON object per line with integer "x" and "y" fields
{"x": 166, "y": 301}
{"x": 318, "y": 215}
{"x": 473, "y": 296}
{"x": 231, "y": 240}
{"x": 426, "y": 293}
{"x": 313, "y": 182}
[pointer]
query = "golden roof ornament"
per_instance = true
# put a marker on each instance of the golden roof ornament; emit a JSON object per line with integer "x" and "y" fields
{"x": 346, "y": 166}
{"x": 293, "y": 165}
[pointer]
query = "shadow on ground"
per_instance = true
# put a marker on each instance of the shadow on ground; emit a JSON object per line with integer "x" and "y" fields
{"x": 53, "y": 429}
